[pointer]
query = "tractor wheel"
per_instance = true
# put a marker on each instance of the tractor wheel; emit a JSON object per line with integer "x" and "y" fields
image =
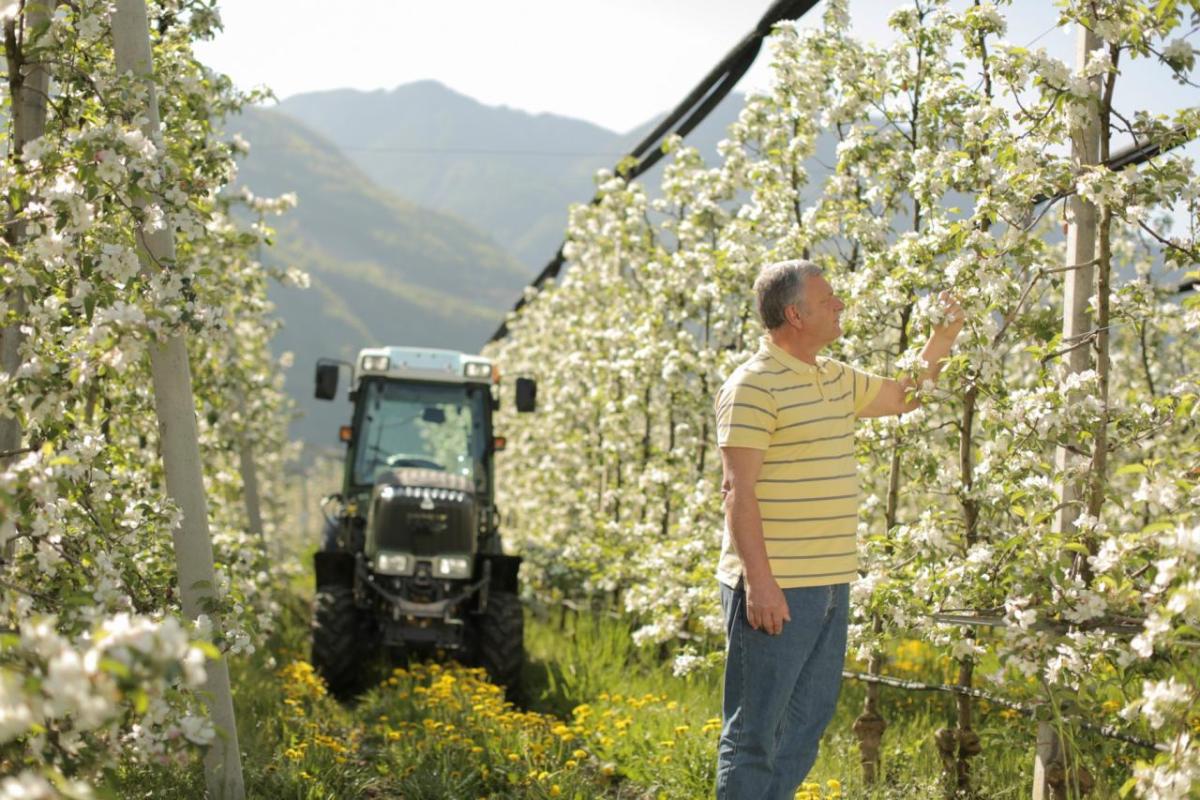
{"x": 342, "y": 641}
{"x": 501, "y": 640}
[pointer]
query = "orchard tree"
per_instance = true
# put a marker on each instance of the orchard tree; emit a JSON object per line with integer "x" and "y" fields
{"x": 128, "y": 251}
{"x": 948, "y": 164}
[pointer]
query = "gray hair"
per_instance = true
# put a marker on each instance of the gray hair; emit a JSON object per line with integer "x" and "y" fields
{"x": 780, "y": 285}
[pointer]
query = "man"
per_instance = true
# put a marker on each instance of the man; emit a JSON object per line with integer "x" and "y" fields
{"x": 785, "y": 426}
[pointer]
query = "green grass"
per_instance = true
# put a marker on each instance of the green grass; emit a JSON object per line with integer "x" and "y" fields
{"x": 603, "y": 719}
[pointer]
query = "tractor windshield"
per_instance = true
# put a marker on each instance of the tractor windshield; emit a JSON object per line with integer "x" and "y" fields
{"x": 432, "y": 426}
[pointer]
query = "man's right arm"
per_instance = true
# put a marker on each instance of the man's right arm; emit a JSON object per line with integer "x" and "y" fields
{"x": 766, "y": 607}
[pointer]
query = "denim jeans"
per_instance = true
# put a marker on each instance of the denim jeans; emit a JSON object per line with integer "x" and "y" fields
{"x": 780, "y": 691}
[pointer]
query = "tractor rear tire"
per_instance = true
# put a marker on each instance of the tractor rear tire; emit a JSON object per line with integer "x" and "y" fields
{"x": 501, "y": 640}
{"x": 343, "y": 641}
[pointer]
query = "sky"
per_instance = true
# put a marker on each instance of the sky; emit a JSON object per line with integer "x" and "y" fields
{"x": 616, "y": 63}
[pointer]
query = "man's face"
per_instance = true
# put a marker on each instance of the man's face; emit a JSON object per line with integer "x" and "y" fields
{"x": 820, "y": 310}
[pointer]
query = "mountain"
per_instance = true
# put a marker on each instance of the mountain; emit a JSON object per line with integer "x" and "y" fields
{"x": 383, "y": 270}
{"x": 508, "y": 172}
{"x": 422, "y": 214}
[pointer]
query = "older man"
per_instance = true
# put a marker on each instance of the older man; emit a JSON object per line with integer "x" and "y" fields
{"x": 785, "y": 425}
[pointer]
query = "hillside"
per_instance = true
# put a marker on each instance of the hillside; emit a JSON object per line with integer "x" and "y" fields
{"x": 509, "y": 172}
{"x": 382, "y": 269}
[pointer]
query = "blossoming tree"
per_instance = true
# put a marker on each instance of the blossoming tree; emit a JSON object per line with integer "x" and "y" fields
{"x": 948, "y": 164}
{"x": 107, "y": 660}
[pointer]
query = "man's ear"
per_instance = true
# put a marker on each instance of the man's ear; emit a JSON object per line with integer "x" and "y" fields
{"x": 792, "y": 316}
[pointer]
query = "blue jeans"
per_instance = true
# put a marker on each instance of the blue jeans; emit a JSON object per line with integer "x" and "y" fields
{"x": 780, "y": 691}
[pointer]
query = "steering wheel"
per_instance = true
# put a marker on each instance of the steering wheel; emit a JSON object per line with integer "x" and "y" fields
{"x": 413, "y": 460}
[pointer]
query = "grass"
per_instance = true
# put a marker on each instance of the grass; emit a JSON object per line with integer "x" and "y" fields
{"x": 603, "y": 719}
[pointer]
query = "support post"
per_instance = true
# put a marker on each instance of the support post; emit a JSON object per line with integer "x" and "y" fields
{"x": 1056, "y": 776}
{"x": 1077, "y": 289}
{"x": 29, "y": 83}
{"x": 250, "y": 495}
{"x": 1049, "y": 767}
{"x": 176, "y": 411}
{"x": 1047, "y": 763}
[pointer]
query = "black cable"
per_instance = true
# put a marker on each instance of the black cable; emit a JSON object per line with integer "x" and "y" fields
{"x": 693, "y": 109}
{"x": 703, "y": 110}
{"x": 721, "y": 80}
{"x": 1133, "y": 155}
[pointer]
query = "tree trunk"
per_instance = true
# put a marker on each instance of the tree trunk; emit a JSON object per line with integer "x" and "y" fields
{"x": 176, "y": 410}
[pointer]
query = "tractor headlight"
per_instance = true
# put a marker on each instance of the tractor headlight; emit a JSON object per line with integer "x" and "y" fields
{"x": 477, "y": 369}
{"x": 376, "y": 363}
{"x": 387, "y": 563}
{"x": 453, "y": 567}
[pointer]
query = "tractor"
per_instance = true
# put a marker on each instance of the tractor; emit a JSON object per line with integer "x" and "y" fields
{"x": 411, "y": 562}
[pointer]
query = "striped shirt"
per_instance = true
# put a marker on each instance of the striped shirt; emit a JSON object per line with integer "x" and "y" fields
{"x": 803, "y": 417}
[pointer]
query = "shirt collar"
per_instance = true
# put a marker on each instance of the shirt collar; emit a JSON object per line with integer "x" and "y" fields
{"x": 788, "y": 360}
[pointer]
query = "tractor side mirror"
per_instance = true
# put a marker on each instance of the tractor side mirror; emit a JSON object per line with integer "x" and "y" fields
{"x": 434, "y": 414}
{"x": 526, "y": 394}
{"x": 327, "y": 381}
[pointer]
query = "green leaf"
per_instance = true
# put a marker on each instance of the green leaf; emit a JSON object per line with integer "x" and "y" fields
{"x": 1131, "y": 469}
{"x": 115, "y": 667}
{"x": 141, "y": 700}
{"x": 208, "y": 648}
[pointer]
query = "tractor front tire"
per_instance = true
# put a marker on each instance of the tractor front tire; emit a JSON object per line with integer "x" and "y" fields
{"x": 342, "y": 641}
{"x": 501, "y": 640}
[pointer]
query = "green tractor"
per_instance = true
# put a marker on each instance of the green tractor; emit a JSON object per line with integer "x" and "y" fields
{"x": 411, "y": 561}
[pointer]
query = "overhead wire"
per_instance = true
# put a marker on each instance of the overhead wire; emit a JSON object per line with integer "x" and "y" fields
{"x": 721, "y": 79}
{"x": 684, "y": 118}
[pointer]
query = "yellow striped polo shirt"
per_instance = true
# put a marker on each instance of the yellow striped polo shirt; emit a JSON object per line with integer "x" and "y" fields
{"x": 803, "y": 417}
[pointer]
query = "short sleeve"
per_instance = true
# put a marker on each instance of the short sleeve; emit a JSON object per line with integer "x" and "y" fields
{"x": 745, "y": 415}
{"x": 865, "y": 388}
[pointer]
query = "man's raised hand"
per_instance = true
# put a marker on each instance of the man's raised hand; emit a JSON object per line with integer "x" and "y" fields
{"x": 949, "y": 321}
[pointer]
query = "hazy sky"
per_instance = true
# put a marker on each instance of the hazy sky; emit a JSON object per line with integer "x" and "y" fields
{"x": 616, "y": 63}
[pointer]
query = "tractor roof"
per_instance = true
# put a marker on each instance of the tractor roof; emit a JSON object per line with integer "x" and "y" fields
{"x": 423, "y": 364}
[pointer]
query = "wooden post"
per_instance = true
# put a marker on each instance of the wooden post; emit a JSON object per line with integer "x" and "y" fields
{"x": 176, "y": 411}
{"x": 1077, "y": 291}
{"x": 29, "y": 84}
{"x": 1047, "y": 764}
{"x": 249, "y": 478}
{"x": 1056, "y": 776}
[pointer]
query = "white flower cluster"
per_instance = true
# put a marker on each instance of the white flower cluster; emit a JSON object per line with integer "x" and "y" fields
{"x": 104, "y": 670}
{"x": 898, "y": 192}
